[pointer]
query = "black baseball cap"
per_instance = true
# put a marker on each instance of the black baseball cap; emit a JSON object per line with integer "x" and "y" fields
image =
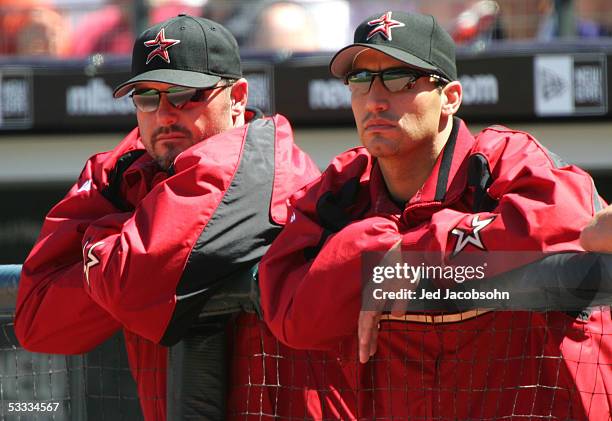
{"x": 185, "y": 50}
{"x": 417, "y": 40}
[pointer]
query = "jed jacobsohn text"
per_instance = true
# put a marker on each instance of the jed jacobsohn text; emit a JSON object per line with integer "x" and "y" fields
{"x": 440, "y": 294}
{"x": 414, "y": 274}
{"x": 405, "y": 271}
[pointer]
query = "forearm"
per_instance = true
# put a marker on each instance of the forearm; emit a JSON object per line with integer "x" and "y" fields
{"x": 597, "y": 235}
{"x": 314, "y": 303}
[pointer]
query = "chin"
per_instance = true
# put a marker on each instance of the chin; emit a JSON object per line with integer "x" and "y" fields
{"x": 166, "y": 159}
{"x": 172, "y": 152}
{"x": 381, "y": 153}
{"x": 381, "y": 147}
{"x": 163, "y": 162}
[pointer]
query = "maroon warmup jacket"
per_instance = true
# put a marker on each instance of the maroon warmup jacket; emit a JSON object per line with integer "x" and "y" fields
{"x": 492, "y": 366}
{"x": 138, "y": 248}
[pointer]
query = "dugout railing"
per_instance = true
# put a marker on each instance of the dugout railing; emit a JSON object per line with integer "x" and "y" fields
{"x": 93, "y": 386}
{"x": 98, "y": 385}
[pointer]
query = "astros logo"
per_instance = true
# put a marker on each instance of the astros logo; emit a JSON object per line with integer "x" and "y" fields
{"x": 162, "y": 45}
{"x": 383, "y": 26}
{"x": 90, "y": 259}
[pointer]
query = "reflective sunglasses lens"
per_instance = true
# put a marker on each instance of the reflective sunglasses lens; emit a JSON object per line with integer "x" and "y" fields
{"x": 146, "y": 101}
{"x": 179, "y": 98}
{"x": 359, "y": 82}
{"x": 395, "y": 81}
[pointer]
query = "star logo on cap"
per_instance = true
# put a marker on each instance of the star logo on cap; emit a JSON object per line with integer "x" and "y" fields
{"x": 162, "y": 44}
{"x": 470, "y": 236}
{"x": 383, "y": 26}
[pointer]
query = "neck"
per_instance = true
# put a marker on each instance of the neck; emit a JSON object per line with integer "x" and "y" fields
{"x": 405, "y": 177}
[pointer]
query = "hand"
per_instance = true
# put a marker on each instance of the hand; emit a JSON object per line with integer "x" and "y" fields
{"x": 367, "y": 332}
{"x": 368, "y": 323}
{"x": 597, "y": 236}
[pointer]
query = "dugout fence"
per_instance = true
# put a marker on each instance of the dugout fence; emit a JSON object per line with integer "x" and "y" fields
{"x": 545, "y": 356}
{"x": 487, "y": 365}
{"x": 93, "y": 386}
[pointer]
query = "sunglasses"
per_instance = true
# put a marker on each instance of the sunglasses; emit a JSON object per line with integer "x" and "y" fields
{"x": 394, "y": 80}
{"x": 147, "y": 100}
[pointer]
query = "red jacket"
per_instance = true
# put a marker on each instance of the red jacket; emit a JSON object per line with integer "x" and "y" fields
{"x": 310, "y": 282}
{"x": 144, "y": 253}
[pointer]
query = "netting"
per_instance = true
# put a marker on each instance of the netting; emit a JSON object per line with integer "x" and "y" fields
{"x": 93, "y": 386}
{"x": 502, "y": 365}
{"x": 474, "y": 365}
{"x": 490, "y": 366}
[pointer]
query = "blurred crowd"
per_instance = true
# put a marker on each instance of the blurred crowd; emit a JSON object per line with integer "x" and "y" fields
{"x": 80, "y": 28}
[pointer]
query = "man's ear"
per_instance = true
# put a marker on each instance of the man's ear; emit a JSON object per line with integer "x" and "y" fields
{"x": 238, "y": 97}
{"x": 452, "y": 95}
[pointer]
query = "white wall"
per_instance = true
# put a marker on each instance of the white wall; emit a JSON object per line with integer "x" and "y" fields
{"x": 59, "y": 158}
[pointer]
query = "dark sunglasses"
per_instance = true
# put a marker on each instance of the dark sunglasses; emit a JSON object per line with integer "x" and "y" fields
{"x": 147, "y": 100}
{"x": 394, "y": 80}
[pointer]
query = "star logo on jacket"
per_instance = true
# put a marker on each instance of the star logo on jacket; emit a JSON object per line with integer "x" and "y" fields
{"x": 162, "y": 44}
{"x": 90, "y": 259}
{"x": 86, "y": 186}
{"x": 383, "y": 26}
{"x": 470, "y": 235}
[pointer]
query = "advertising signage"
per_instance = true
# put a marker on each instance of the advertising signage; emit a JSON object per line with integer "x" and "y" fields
{"x": 507, "y": 87}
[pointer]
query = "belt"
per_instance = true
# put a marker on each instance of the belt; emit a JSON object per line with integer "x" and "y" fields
{"x": 438, "y": 318}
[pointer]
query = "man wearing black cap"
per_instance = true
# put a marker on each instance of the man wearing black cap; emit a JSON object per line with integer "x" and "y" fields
{"x": 422, "y": 183}
{"x": 187, "y": 201}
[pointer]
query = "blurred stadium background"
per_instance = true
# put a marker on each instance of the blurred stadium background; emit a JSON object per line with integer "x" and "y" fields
{"x": 535, "y": 65}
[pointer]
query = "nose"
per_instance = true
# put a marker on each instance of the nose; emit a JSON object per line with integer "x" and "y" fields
{"x": 167, "y": 113}
{"x": 377, "y": 97}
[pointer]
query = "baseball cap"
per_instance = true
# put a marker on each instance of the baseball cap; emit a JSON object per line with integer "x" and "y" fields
{"x": 185, "y": 50}
{"x": 417, "y": 40}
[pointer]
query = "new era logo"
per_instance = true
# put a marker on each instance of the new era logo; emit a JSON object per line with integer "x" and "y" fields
{"x": 552, "y": 84}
